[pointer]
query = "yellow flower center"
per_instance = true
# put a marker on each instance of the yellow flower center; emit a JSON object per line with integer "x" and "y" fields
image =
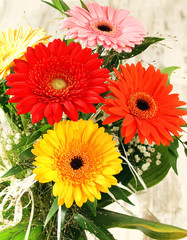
{"x": 142, "y": 105}
{"x": 77, "y": 163}
{"x": 58, "y": 84}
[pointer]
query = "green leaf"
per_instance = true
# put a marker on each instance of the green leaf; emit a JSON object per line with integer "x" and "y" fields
{"x": 92, "y": 206}
{"x": 26, "y": 154}
{"x": 173, "y": 154}
{"x": 63, "y": 215}
{"x": 155, "y": 230}
{"x": 15, "y": 169}
{"x": 27, "y": 140}
{"x": 31, "y": 138}
{"x": 86, "y": 224}
{"x": 18, "y": 232}
{"x": 168, "y": 71}
{"x": 64, "y": 5}
{"x": 74, "y": 233}
{"x": 148, "y": 41}
{"x": 50, "y": 4}
{"x": 119, "y": 194}
{"x": 84, "y": 6}
{"x": 58, "y": 5}
{"x": 185, "y": 150}
{"x": 52, "y": 211}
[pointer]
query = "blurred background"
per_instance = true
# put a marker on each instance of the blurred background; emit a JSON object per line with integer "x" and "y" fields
{"x": 162, "y": 18}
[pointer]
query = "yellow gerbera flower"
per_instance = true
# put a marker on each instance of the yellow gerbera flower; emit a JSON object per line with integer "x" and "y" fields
{"x": 80, "y": 158}
{"x": 14, "y": 43}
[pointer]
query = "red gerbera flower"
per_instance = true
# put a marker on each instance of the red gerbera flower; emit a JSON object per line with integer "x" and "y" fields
{"x": 57, "y": 79}
{"x": 142, "y": 98}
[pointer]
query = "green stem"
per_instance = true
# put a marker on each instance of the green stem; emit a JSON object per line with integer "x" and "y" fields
{"x": 24, "y": 122}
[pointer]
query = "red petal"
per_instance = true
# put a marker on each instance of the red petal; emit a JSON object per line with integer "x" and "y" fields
{"x": 70, "y": 110}
{"x": 53, "y": 46}
{"x": 111, "y": 119}
{"x": 41, "y": 51}
{"x": 37, "y": 112}
{"x": 14, "y": 77}
{"x": 57, "y": 111}
{"x": 83, "y": 55}
{"x": 62, "y": 50}
{"x": 21, "y": 66}
{"x": 31, "y": 57}
{"x": 129, "y": 119}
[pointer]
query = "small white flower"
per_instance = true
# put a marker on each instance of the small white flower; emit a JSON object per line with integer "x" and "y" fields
{"x": 139, "y": 171}
{"x": 16, "y": 141}
{"x": 17, "y": 136}
{"x": 149, "y": 148}
{"x": 158, "y": 162}
{"x": 115, "y": 129}
{"x": 158, "y": 156}
{"x": 130, "y": 150}
{"x": 142, "y": 149}
{"x": 145, "y": 166}
{"x": 137, "y": 140}
{"x": 152, "y": 150}
{"x": 137, "y": 158}
{"x": 148, "y": 160}
{"x": 8, "y": 147}
{"x": 9, "y": 141}
{"x": 147, "y": 154}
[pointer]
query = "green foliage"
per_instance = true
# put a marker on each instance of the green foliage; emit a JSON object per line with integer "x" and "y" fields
{"x": 92, "y": 206}
{"x": 14, "y": 170}
{"x": 18, "y": 232}
{"x": 112, "y": 59}
{"x": 108, "y": 219}
{"x": 59, "y": 5}
{"x": 25, "y": 141}
{"x": 120, "y": 194}
{"x": 169, "y": 71}
{"x": 173, "y": 154}
{"x": 148, "y": 41}
{"x": 52, "y": 211}
{"x": 84, "y": 6}
{"x": 100, "y": 232}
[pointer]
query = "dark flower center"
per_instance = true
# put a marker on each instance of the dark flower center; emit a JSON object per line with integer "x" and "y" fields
{"x": 104, "y": 28}
{"x": 142, "y": 104}
{"x": 76, "y": 163}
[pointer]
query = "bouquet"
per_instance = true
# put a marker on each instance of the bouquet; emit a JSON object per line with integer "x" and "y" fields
{"x": 87, "y": 128}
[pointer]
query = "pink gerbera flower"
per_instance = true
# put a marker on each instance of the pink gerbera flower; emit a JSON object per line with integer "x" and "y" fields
{"x": 105, "y": 26}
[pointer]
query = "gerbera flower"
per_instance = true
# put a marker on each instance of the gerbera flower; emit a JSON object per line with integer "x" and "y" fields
{"x": 80, "y": 158}
{"x": 57, "y": 79}
{"x": 103, "y": 25}
{"x": 142, "y": 98}
{"x": 13, "y": 45}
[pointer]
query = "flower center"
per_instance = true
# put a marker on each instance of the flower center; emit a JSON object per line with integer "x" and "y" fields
{"x": 104, "y": 28}
{"x": 76, "y": 163}
{"x": 58, "y": 84}
{"x": 142, "y": 105}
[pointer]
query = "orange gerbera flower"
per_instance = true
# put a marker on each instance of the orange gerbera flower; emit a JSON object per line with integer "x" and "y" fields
{"x": 143, "y": 99}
